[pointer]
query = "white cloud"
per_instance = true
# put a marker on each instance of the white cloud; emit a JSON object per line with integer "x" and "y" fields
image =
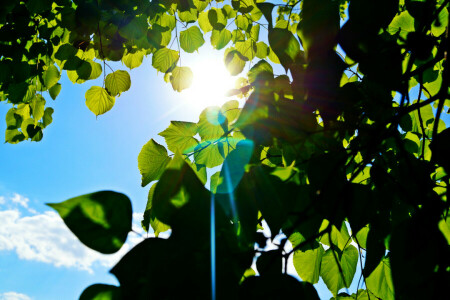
{"x": 13, "y": 296}
{"x": 19, "y": 199}
{"x": 2, "y": 200}
{"x": 45, "y": 238}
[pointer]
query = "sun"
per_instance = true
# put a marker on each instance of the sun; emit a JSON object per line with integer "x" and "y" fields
{"x": 211, "y": 82}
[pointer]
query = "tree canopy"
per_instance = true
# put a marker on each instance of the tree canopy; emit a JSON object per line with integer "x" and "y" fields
{"x": 344, "y": 154}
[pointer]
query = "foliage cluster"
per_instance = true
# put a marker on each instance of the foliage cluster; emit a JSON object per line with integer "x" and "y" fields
{"x": 346, "y": 157}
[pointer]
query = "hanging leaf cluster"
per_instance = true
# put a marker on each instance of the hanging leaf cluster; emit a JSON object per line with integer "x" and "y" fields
{"x": 345, "y": 154}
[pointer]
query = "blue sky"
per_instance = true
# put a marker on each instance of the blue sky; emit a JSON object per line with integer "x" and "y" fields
{"x": 39, "y": 257}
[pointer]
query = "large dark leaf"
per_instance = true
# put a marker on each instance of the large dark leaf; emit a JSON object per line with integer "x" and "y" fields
{"x": 100, "y": 220}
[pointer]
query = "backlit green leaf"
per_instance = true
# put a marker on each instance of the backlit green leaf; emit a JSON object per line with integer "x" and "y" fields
{"x": 181, "y": 78}
{"x": 133, "y": 60}
{"x": 191, "y": 39}
{"x": 380, "y": 281}
{"x": 117, "y": 82}
{"x": 98, "y": 100}
{"x": 329, "y": 270}
{"x": 179, "y": 136}
{"x": 100, "y": 220}
{"x": 164, "y": 59}
{"x": 152, "y": 161}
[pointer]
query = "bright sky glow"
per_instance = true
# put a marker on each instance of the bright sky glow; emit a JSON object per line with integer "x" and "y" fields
{"x": 211, "y": 81}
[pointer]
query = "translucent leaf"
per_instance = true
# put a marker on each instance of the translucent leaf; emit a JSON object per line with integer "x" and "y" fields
{"x": 247, "y": 48}
{"x": 37, "y": 106}
{"x": 149, "y": 218}
{"x": 133, "y": 60}
{"x": 380, "y": 281}
{"x": 203, "y": 22}
{"x": 179, "y": 136}
{"x": 261, "y": 70}
{"x": 54, "y": 91}
{"x": 242, "y": 22}
{"x": 210, "y": 124}
{"x": 217, "y": 18}
{"x": 191, "y": 39}
{"x": 100, "y": 220}
{"x": 164, "y": 59}
{"x": 209, "y": 154}
{"x": 135, "y": 29}
{"x": 262, "y": 50}
{"x": 234, "y": 61}
{"x": 285, "y": 45}
{"x": 307, "y": 261}
{"x": 402, "y": 23}
{"x": 51, "y": 76}
{"x": 219, "y": 39}
{"x": 152, "y": 161}
{"x": 117, "y": 82}
{"x": 233, "y": 168}
{"x": 181, "y": 78}
{"x": 230, "y": 110}
{"x": 98, "y": 100}
{"x": 329, "y": 270}
{"x": 47, "y": 119}
{"x": 87, "y": 70}
{"x": 443, "y": 23}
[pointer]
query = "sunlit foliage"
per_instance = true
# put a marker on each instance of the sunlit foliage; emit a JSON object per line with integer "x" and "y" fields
{"x": 345, "y": 156}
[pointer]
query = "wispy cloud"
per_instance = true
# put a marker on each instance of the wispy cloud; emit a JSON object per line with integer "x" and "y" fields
{"x": 13, "y": 296}
{"x": 44, "y": 237}
{"x": 21, "y": 200}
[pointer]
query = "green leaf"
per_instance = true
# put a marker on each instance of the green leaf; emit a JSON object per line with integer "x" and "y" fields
{"x": 133, "y": 60}
{"x": 181, "y": 78}
{"x": 217, "y": 18}
{"x": 209, "y": 154}
{"x": 438, "y": 26}
{"x": 149, "y": 218}
{"x": 100, "y": 220}
{"x": 179, "y": 136}
{"x": 37, "y": 106}
{"x": 234, "y": 61}
{"x": 98, "y": 100}
{"x": 51, "y": 76}
{"x": 285, "y": 46}
{"x": 210, "y": 124}
{"x": 242, "y": 22}
{"x": 247, "y": 49}
{"x": 361, "y": 236}
{"x": 203, "y": 22}
{"x": 164, "y": 59}
{"x": 135, "y": 29}
{"x": 402, "y": 23}
{"x": 329, "y": 270}
{"x": 307, "y": 261}
{"x": 262, "y": 50}
{"x": 191, "y": 39}
{"x": 152, "y": 161}
{"x": 47, "y": 119}
{"x": 233, "y": 168}
{"x": 101, "y": 292}
{"x": 219, "y": 39}
{"x": 54, "y": 91}
{"x": 444, "y": 227}
{"x": 117, "y": 82}
{"x": 230, "y": 110}
{"x": 13, "y": 136}
{"x": 380, "y": 281}
{"x": 87, "y": 70}
{"x": 261, "y": 70}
